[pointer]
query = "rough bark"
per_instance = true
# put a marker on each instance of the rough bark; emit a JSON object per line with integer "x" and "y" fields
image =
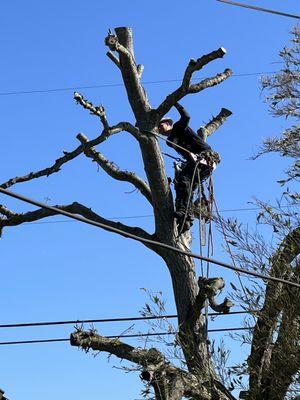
{"x": 261, "y": 359}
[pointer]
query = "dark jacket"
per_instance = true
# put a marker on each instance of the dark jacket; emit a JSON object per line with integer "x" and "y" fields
{"x": 184, "y": 136}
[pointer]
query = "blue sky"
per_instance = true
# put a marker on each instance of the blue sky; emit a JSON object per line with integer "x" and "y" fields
{"x": 65, "y": 270}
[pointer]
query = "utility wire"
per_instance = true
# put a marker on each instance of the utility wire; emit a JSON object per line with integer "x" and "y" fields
{"x": 144, "y": 240}
{"x": 65, "y": 89}
{"x": 142, "y": 216}
{"x": 234, "y": 3}
{"x": 103, "y": 320}
{"x": 117, "y": 336}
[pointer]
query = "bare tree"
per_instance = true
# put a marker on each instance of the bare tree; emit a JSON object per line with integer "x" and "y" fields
{"x": 199, "y": 380}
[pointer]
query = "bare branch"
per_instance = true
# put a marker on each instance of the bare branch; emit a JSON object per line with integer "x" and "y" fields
{"x": 214, "y": 124}
{"x": 68, "y": 156}
{"x": 112, "y": 170}
{"x": 91, "y": 340}
{"x": 98, "y": 111}
{"x": 168, "y": 381}
{"x": 46, "y": 171}
{"x": 186, "y": 87}
{"x": 209, "y": 82}
{"x": 5, "y": 211}
{"x": 113, "y": 58}
{"x": 125, "y": 126}
{"x": 74, "y": 208}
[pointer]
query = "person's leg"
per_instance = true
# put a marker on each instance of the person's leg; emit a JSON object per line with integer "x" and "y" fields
{"x": 184, "y": 197}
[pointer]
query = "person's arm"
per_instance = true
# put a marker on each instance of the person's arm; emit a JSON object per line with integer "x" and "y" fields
{"x": 184, "y": 116}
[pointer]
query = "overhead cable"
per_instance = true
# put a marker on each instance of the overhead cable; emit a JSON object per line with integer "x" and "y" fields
{"x": 108, "y": 85}
{"x": 146, "y": 216}
{"x": 234, "y": 3}
{"x": 145, "y": 240}
{"x": 104, "y": 320}
{"x": 118, "y": 336}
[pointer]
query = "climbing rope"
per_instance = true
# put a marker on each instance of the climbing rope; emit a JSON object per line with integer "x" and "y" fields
{"x": 190, "y": 196}
{"x": 211, "y": 201}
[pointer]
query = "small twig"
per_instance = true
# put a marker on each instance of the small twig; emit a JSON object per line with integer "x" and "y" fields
{"x": 140, "y": 70}
{"x": 98, "y": 111}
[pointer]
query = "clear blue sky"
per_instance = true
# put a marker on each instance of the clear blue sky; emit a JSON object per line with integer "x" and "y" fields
{"x": 65, "y": 270}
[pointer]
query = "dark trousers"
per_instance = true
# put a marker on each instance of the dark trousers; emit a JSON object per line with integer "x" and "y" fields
{"x": 185, "y": 187}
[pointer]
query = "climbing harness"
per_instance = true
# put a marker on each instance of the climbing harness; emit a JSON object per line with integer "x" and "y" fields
{"x": 208, "y": 160}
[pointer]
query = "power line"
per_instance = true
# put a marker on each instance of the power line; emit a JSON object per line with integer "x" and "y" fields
{"x": 138, "y": 216}
{"x": 142, "y": 216}
{"x": 104, "y": 320}
{"x": 118, "y": 336}
{"x": 234, "y": 3}
{"x": 145, "y": 240}
{"x": 109, "y": 85}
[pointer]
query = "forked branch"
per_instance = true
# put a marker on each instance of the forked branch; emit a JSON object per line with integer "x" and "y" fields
{"x": 186, "y": 87}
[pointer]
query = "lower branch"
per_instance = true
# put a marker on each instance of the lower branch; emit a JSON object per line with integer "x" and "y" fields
{"x": 74, "y": 208}
{"x": 69, "y": 156}
{"x": 168, "y": 381}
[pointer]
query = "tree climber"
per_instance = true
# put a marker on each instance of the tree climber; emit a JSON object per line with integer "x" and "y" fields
{"x": 193, "y": 149}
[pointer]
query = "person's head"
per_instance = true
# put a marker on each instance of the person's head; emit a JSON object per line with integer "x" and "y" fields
{"x": 165, "y": 125}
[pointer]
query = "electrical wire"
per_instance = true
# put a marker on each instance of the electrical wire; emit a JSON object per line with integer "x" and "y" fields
{"x": 234, "y": 3}
{"x": 144, "y": 240}
{"x": 118, "y": 336}
{"x": 21, "y": 92}
{"x": 142, "y": 216}
{"x": 104, "y": 320}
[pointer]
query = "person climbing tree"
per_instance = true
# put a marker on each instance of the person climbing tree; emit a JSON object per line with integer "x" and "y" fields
{"x": 197, "y": 154}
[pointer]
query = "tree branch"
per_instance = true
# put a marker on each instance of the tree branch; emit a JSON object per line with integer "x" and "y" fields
{"x": 113, "y": 171}
{"x": 46, "y": 171}
{"x": 214, "y": 124}
{"x": 168, "y": 381}
{"x": 91, "y": 340}
{"x": 209, "y": 82}
{"x": 113, "y": 58}
{"x": 5, "y": 211}
{"x": 68, "y": 156}
{"x": 98, "y": 111}
{"x": 186, "y": 87}
{"x": 74, "y": 208}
